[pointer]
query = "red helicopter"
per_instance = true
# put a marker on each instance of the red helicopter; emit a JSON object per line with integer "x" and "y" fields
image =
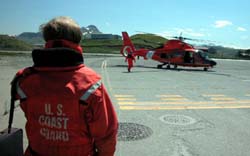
{"x": 174, "y": 52}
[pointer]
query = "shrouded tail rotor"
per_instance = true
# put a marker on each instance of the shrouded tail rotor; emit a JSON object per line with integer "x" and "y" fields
{"x": 128, "y": 46}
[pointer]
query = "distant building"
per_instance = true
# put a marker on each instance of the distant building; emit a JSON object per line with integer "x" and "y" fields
{"x": 38, "y": 45}
{"x": 101, "y": 36}
{"x": 117, "y": 37}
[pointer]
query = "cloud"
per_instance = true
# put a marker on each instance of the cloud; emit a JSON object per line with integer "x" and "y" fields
{"x": 222, "y": 23}
{"x": 241, "y": 29}
{"x": 244, "y": 37}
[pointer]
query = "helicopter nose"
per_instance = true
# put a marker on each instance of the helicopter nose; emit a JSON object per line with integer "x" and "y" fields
{"x": 213, "y": 63}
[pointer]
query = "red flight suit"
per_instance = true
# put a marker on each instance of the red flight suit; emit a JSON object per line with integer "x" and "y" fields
{"x": 130, "y": 58}
{"x": 67, "y": 108}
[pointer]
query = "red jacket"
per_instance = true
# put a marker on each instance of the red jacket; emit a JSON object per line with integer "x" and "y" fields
{"x": 130, "y": 58}
{"x": 67, "y": 107}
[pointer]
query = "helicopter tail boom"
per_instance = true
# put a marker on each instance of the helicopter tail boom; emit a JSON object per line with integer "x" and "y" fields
{"x": 128, "y": 46}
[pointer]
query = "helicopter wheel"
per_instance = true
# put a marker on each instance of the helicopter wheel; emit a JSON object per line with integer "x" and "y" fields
{"x": 168, "y": 66}
{"x": 205, "y": 69}
{"x": 159, "y": 66}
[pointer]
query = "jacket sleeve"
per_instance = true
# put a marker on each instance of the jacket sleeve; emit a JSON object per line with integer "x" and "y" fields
{"x": 103, "y": 124}
{"x": 16, "y": 91}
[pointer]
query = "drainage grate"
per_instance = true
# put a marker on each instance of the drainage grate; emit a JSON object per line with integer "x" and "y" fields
{"x": 133, "y": 131}
{"x": 181, "y": 120}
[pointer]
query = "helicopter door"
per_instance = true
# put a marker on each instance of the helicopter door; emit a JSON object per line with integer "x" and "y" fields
{"x": 164, "y": 56}
{"x": 188, "y": 57}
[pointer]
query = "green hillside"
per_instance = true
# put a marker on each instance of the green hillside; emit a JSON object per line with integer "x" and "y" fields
{"x": 114, "y": 45}
{"x": 11, "y": 43}
{"x": 101, "y": 46}
{"x": 149, "y": 41}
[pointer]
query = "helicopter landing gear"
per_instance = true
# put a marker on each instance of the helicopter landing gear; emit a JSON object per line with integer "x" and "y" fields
{"x": 168, "y": 66}
{"x": 175, "y": 66}
{"x": 159, "y": 66}
{"x": 205, "y": 69}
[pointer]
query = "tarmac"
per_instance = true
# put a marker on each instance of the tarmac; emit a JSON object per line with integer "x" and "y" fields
{"x": 176, "y": 112}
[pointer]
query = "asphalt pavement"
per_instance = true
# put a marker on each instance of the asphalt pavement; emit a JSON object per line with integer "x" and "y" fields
{"x": 180, "y": 112}
{"x": 161, "y": 112}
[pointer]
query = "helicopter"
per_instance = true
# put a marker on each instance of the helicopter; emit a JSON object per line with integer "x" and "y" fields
{"x": 175, "y": 52}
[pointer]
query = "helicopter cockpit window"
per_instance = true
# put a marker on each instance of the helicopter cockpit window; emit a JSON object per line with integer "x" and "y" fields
{"x": 203, "y": 55}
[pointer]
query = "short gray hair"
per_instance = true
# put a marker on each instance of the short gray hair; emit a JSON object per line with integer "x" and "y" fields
{"x": 61, "y": 27}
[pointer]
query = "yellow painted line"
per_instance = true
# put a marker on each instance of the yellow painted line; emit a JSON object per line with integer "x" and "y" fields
{"x": 169, "y": 96}
{"x": 173, "y": 99}
{"x": 150, "y": 103}
{"x": 222, "y": 99}
{"x": 120, "y": 96}
{"x": 178, "y": 107}
{"x": 213, "y": 95}
{"x": 126, "y": 99}
{"x": 182, "y": 102}
{"x": 232, "y": 102}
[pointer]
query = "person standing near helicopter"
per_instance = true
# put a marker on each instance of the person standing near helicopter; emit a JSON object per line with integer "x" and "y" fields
{"x": 67, "y": 107}
{"x": 130, "y": 59}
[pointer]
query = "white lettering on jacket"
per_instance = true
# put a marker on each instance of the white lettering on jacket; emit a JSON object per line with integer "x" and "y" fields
{"x": 54, "y": 125}
{"x": 53, "y": 122}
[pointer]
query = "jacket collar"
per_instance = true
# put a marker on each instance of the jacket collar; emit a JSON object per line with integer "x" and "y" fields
{"x": 56, "y": 57}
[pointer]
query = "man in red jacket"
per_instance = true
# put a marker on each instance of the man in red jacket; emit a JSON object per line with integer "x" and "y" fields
{"x": 68, "y": 109}
{"x": 130, "y": 59}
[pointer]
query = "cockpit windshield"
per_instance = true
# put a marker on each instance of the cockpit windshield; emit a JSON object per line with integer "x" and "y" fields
{"x": 203, "y": 55}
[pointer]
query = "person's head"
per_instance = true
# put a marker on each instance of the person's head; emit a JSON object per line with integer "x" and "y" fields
{"x": 61, "y": 28}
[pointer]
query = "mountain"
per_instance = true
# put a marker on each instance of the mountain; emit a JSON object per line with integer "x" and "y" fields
{"x": 37, "y": 38}
{"x": 31, "y": 37}
{"x": 91, "y": 29}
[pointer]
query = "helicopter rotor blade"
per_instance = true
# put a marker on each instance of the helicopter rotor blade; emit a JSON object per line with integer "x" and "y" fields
{"x": 180, "y": 37}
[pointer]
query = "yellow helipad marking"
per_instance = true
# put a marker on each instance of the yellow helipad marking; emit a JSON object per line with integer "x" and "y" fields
{"x": 222, "y": 99}
{"x": 213, "y": 95}
{"x": 169, "y": 96}
{"x": 174, "y": 99}
{"x": 178, "y": 107}
{"x": 126, "y": 99}
{"x": 177, "y": 102}
{"x": 123, "y": 96}
{"x": 182, "y": 102}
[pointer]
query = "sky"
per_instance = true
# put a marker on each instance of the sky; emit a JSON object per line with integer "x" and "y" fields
{"x": 223, "y": 22}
